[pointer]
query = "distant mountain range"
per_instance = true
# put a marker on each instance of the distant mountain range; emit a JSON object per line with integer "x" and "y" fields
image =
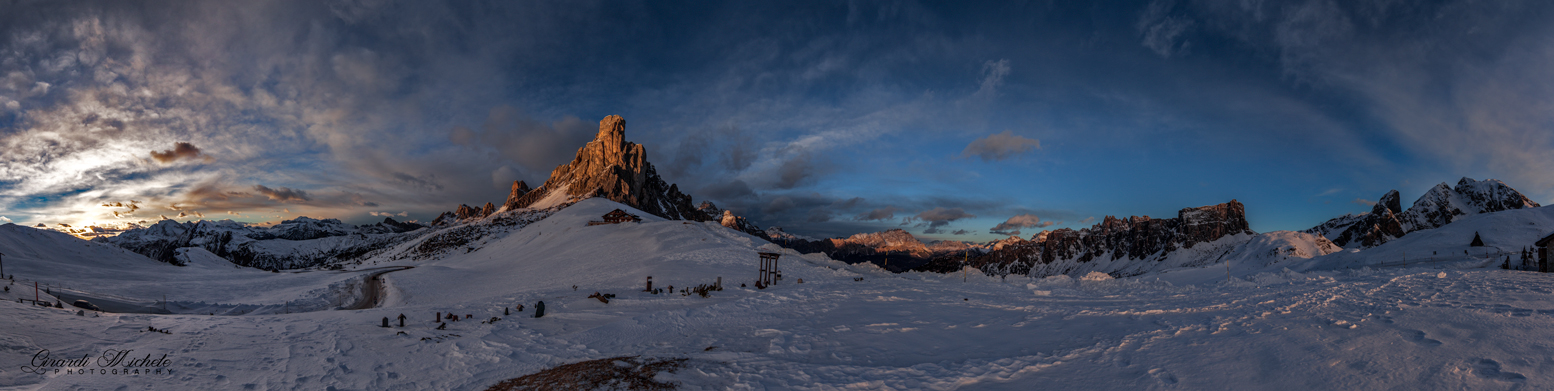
{"x": 297, "y": 243}
{"x": 1197, "y": 236}
{"x": 1128, "y": 246}
{"x": 611, "y": 167}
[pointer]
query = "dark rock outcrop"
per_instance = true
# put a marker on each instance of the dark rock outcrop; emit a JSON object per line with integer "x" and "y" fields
{"x": 465, "y": 211}
{"x": 1365, "y": 229}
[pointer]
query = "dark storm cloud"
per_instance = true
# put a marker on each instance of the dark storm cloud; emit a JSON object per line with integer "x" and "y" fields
{"x": 728, "y": 192}
{"x": 778, "y": 205}
{"x": 180, "y": 151}
{"x": 536, "y": 145}
{"x": 1012, "y": 226}
{"x": 933, "y": 220}
{"x": 938, "y": 217}
{"x": 819, "y": 215}
{"x": 794, "y": 171}
{"x": 423, "y": 183}
{"x": 283, "y": 194}
{"x": 846, "y": 204}
{"x": 723, "y": 150}
{"x": 879, "y": 214}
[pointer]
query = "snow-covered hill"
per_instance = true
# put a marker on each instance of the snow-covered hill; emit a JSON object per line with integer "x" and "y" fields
{"x": 79, "y": 267}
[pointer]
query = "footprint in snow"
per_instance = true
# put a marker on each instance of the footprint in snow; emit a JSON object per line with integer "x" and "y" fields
{"x": 1490, "y": 369}
{"x": 1418, "y": 337}
{"x": 1162, "y": 376}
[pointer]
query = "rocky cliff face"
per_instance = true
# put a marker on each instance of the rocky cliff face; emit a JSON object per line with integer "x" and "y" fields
{"x": 1122, "y": 242}
{"x": 1365, "y": 229}
{"x": 613, "y": 168}
{"x": 1439, "y": 206}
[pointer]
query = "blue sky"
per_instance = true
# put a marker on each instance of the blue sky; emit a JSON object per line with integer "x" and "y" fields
{"x": 825, "y": 118}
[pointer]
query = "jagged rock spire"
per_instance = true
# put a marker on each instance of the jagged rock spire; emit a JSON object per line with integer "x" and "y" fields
{"x": 613, "y": 168}
{"x": 519, "y": 189}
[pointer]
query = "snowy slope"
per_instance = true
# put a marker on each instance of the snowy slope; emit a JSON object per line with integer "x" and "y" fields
{"x": 563, "y": 250}
{"x": 1264, "y": 328}
{"x": 62, "y": 262}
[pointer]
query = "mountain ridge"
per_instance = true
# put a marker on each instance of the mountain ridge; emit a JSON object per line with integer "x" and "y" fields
{"x": 1437, "y": 207}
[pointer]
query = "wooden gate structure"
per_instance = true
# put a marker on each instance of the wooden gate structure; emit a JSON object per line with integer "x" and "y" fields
{"x": 769, "y": 272}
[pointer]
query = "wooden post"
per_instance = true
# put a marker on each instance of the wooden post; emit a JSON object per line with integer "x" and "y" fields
{"x": 964, "y": 257}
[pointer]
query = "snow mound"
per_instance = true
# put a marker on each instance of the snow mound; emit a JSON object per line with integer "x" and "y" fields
{"x": 1096, "y": 276}
{"x": 1281, "y": 248}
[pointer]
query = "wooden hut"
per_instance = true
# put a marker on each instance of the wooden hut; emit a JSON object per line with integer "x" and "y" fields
{"x": 1541, "y": 252}
{"x": 616, "y": 217}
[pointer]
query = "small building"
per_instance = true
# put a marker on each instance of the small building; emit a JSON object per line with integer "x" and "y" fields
{"x": 1477, "y": 241}
{"x": 1541, "y": 252}
{"x": 616, "y": 217}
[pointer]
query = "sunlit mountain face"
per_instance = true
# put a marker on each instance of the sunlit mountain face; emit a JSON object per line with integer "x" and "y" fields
{"x": 950, "y": 121}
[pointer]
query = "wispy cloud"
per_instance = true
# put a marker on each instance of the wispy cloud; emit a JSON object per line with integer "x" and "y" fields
{"x": 1000, "y": 146}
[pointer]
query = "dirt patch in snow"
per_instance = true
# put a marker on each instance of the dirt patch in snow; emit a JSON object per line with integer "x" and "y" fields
{"x": 615, "y": 373}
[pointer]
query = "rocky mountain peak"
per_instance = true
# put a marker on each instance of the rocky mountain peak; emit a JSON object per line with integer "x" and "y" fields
{"x": 1439, "y": 206}
{"x": 519, "y": 189}
{"x": 613, "y": 168}
{"x": 1388, "y": 202}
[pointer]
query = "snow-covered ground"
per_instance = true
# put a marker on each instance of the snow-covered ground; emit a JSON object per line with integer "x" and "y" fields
{"x": 1339, "y": 323}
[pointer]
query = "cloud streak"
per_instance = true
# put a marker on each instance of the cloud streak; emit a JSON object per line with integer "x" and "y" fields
{"x": 1000, "y": 146}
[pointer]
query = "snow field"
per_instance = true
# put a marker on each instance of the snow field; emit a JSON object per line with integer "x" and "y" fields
{"x": 1274, "y": 324}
